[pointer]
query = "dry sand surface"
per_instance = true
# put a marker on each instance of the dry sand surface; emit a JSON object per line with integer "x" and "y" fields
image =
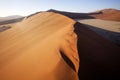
{"x": 7, "y": 26}
{"x": 50, "y": 46}
{"x": 108, "y": 29}
{"x": 39, "y": 48}
{"x": 108, "y": 14}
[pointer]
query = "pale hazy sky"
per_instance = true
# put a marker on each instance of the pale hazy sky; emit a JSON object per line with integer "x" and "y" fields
{"x": 26, "y": 7}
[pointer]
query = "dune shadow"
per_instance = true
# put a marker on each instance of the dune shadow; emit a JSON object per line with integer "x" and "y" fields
{"x": 95, "y": 13}
{"x": 110, "y": 35}
{"x": 11, "y": 21}
{"x": 74, "y": 15}
{"x": 78, "y": 15}
{"x": 99, "y": 57}
{"x": 67, "y": 60}
{"x": 3, "y": 28}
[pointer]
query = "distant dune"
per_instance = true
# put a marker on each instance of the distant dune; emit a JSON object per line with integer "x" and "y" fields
{"x": 108, "y": 14}
{"x": 108, "y": 29}
{"x": 51, "y": 46}
{"x": 9, "y": 21}
{"x": 105, "y": 14}
{"x": 73, "y": 15}
{"x": 10, "y": 17}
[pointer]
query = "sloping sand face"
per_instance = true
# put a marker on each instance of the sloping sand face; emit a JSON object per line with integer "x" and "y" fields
{"x": 99, "y": 57}
{"x": 108, "y": 29}
{"x": 42, "y": 47}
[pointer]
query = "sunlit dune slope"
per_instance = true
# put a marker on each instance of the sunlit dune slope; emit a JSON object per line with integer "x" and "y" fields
{"x": 108, "y": 14}
{"x": 42, "y": 47}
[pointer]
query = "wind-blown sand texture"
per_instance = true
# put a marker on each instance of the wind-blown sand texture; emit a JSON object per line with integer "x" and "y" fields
{"x": 33, "y": 49}
{"x": 50, "y": 46}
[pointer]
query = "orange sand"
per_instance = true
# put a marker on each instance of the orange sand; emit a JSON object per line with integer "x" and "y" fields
{"x": 32, "y": 49}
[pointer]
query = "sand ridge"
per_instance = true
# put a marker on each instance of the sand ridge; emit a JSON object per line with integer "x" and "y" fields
{"x": 50, "y": 46}
{"x": 32, "y": 49}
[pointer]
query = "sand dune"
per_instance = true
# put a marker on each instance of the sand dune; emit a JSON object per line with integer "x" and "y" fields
{"x": 99, "y": 58}
{"x": 50, "y": 46}
{"x": 108, "y": 14}
{"x": 108, "y": 29}
{"x": 11, "y": 21}
{"x": 105, "y": 14}
{"x": 10, "y": 18}
{"x": 73, "y": 15}
{"x": 39, "y": 48}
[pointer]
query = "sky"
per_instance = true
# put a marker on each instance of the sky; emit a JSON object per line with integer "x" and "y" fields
{"x": 26, "y": 7}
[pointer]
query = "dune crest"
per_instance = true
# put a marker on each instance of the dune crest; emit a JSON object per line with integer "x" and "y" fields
{"x": 40, "y": 48}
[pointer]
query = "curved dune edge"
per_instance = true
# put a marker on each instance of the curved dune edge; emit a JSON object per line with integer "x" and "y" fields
{"x": 33, "y": 49}
{"x": 99, "y": 57}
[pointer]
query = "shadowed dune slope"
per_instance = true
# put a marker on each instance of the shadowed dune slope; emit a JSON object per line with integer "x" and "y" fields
{"x": 73, "y": 15}
{"x": 11, "y": 21}
{"x": 99, "y": 58}
{"x": 105, "y": 14}
{"x": 108, "y": 29}
{"x": 42, "y": 47}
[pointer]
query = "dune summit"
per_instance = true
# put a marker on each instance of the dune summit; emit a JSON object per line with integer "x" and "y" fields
{"x": 42, "y": 47}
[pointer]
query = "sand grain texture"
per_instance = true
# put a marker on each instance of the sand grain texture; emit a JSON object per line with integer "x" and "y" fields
{"x": 32, "y": 50}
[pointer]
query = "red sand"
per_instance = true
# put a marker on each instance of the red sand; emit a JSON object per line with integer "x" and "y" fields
{"x": 108, "y": 14}
{"x": 32, "y": 49}
{"x": 46, "y": 47}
